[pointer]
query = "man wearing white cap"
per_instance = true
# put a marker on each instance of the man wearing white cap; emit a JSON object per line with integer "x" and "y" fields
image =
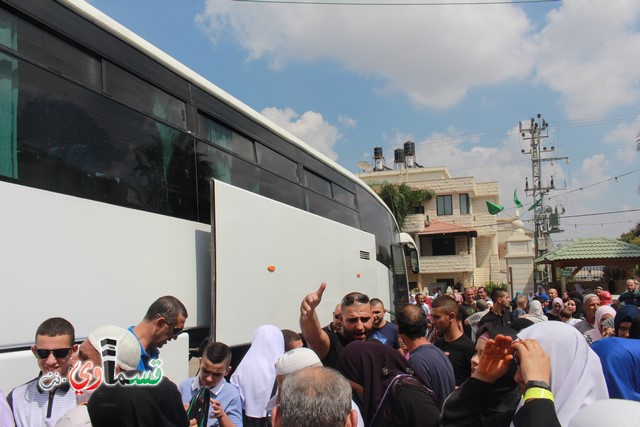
{"x": 296, "y": 360}
{"x": 126, "y": 359}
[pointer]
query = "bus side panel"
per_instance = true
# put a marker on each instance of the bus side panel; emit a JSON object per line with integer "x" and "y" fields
{"x": 253, "y": 233}
{"x": 93, "y": 264}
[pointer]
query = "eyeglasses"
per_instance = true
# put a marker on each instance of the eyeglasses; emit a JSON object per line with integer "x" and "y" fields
{"x": 352, "y": 298}
{"x": 336, "y": 316}
{"x": 176, "y": 331}
{"x": 58, "y": 353}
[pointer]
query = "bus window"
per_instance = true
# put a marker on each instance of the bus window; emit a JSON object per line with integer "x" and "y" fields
{"x": 74, "y": 141}
{"x": 317, "y": 183}
{"x": 46, "y": 49}
{"x": 277, "y": 163}
{"x": 144, "y": 96}
{"x": 344, "y": 196}
{"x": 224, "y": 137}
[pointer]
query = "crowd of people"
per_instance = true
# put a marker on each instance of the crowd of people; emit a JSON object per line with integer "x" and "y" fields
{"x": 459, "y": 359}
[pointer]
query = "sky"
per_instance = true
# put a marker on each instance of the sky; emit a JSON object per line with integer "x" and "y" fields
{"x": 455, "y": 77}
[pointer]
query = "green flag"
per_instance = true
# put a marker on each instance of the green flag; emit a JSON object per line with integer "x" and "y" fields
{"x": 515, "y": 199}
{"x": 493, "y": 208}
{"x": 535, "y": 205}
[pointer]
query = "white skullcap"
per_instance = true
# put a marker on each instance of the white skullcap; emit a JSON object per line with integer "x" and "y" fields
{"x": 295, "y": 360}
{"x": 127, "y": 346}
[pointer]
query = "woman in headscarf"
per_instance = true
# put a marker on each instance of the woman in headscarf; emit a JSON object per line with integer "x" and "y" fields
{"x": 389, "y": 392}
{"x": 576, "y": 374}
{"x": 602, "y": 313}
{"x": 256, "y": 373}
{"x": 495, "y": 402}
{"x": 624, "y": 318}
{"x": 605, "y": 298}
{"x": 556, "y": 306}
{"x": 535, "y": 312}
{"x": 575, "y": 377}
{"x": 620, "y": 358}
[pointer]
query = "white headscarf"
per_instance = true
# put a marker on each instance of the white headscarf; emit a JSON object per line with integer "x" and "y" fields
{"x": 256, "y": 374}
{"x": 614, "y": 412}
{"x": 576, "y": 373}
{"x": 595, "y": 333}
{"x": 535, "y": 312}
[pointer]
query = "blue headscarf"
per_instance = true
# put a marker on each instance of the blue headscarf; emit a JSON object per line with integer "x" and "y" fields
{"x": 620, "y": 358}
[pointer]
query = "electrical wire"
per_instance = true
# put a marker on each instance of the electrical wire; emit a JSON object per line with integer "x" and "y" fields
{"x": 615, "y": 178}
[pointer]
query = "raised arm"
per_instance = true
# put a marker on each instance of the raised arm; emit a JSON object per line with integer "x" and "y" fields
{"x": 316, "y": 338}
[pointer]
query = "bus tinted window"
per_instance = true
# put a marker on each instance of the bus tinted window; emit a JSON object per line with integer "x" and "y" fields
{"x": 375, "y": 219}
{"x": 329, "y": 209}
{"x": 46, "y": 49}
{"x": 224, "y": 137}
{"x": 213, "y": 163}
{"x": 277, "y": 188}
{"x": 277, "y": 163}
{"x": 317, "y": 183}
{"x": 343, "y": 196}
{"x": 144, "y": 96}
{"x": 72, "y": 140}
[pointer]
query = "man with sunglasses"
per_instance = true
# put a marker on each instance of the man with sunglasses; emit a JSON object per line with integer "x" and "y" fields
{"x": 163, "y": 322}
{"x": 43, "y": 400}
{"x": 357, "y": 322}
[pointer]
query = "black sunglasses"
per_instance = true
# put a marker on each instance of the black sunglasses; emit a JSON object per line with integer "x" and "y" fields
{"x": 176, "y": 331}
{"x": 58, "y": 353}
{"x": 351, "y": 299}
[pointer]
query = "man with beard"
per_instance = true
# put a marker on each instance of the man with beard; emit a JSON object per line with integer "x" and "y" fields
{"x": 357, "y": 321}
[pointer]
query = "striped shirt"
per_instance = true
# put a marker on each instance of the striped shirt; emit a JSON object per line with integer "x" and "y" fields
{"x": 33, "y": 407}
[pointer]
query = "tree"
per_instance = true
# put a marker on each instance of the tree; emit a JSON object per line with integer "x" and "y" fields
{"x": 632, "y": 236}
{"x": 402, "y": 199}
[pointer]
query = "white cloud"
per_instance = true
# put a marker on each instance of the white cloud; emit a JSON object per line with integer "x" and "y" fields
{"x": 588, "y": 52}
{"x": 624, "y": 137}
{"x": 347, "y": 121}
{"x": 309, "y": 127}
{"x": 433, "y": 55}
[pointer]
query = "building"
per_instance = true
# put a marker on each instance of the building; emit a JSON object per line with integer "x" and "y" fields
{"x": 456, "y": 235}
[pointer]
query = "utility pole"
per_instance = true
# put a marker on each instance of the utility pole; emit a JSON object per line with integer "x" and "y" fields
{"x": 545, "y": 220}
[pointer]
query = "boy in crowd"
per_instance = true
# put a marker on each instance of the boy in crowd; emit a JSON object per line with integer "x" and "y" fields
{"x": 226, "y": 405}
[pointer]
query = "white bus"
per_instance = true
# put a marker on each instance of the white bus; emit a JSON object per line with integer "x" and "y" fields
{"x": 108, "y": 152}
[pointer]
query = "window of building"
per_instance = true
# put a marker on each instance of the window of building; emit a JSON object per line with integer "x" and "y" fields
{"x": 445, "y": 205}
{"x": 465, "y": 205}
{"x": 443, "y": 246}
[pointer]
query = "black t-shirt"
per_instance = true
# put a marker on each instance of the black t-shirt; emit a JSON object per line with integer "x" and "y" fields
{"x": 336, "y": 343}
{"x": 459, "y": 352}
{"x": 465, "y": 311}
{"x": 491, "y": 317}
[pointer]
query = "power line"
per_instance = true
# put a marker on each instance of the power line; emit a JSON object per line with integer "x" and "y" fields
{"x": 352, "y": 3}
{"x": 615, "y": 178}
{"x": 594, "y": 214}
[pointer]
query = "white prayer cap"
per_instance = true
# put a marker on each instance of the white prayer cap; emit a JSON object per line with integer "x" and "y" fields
{"x": 127, "y": 346}
{"x": 295, "y": 360}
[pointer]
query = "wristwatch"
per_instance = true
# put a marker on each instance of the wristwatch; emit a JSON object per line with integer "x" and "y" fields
{"x": 539, "y": 384}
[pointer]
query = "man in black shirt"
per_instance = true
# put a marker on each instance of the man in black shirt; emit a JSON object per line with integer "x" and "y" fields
{"x": 457, "y": 346}
{"x": 357, "y": 321}
{"x": 499, "y": 314}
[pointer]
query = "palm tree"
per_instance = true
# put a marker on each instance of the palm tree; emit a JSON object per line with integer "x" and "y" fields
{"x": 402, "y": 199}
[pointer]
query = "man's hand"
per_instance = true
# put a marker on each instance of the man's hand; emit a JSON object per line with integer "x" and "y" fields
{"x": 311, "y": 301}
{"x": 495, "y": 359}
